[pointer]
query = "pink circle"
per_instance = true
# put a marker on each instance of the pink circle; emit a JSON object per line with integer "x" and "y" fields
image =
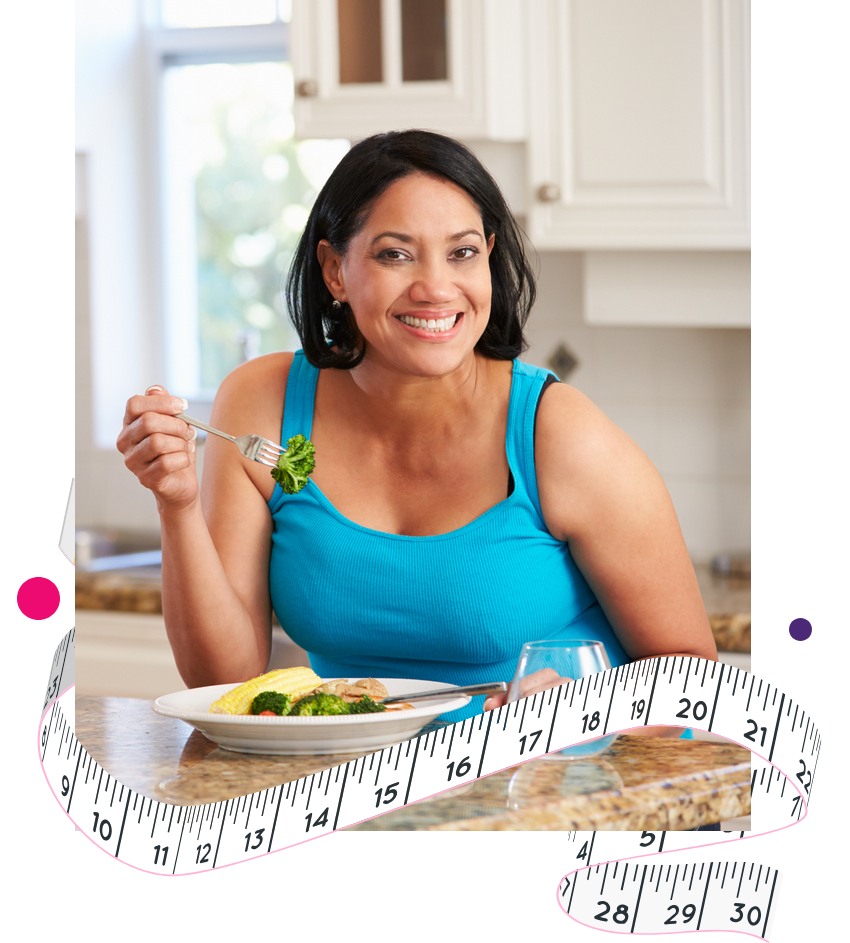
{"x": 38, "y": 598}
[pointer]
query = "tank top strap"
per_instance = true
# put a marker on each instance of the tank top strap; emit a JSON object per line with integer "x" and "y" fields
{"x": 527, "y": 384}
{"x": 300, "y": 398}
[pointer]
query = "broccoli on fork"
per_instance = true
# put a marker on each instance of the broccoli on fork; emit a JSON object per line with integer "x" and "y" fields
{"x": 295, "y": 465}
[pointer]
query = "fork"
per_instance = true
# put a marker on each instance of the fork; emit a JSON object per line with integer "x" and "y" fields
{"x": 253, "y": 447}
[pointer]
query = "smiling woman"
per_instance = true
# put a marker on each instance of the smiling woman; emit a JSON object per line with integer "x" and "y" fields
{"x": 443, "y": 170}
{"x": 463, "y": 502}
{"x": 408, "y": 279}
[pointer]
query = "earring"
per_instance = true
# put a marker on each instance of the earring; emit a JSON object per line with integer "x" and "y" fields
{"x": 336, "y": 304}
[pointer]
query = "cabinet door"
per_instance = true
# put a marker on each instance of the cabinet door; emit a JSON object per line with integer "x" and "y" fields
{"x": 363, "y": 66}
{"x": 639, "y": 123}
{"x": 122, "y": 654}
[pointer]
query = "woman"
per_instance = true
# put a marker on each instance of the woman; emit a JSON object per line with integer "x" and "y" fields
{"x": 461, "y": 503}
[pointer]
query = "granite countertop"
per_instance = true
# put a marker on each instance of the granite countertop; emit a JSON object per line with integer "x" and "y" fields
{"x": 639, "y": 783}
{"x": 128, "y": 590}
{"x": 138, "y": 589}
{"x": 727, "y": 601}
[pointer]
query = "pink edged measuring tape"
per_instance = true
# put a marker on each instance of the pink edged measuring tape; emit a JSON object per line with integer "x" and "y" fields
{"x": 615, "y": 881}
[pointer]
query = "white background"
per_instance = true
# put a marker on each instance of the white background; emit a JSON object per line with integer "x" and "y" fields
{"x": 431, "y": 887}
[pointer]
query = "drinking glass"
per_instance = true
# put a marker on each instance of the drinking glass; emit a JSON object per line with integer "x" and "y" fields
{"x": 548, "y": 663}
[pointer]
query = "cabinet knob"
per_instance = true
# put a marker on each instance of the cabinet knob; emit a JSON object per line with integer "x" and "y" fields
{"x": 548, "y": 193}
{"x": 307, "y": 88}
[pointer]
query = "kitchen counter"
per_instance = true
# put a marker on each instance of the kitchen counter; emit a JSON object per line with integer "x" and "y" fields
{"x": 727, "y": 602}
{"x": 138, "y": 589}
{"x": 641, "y": 783}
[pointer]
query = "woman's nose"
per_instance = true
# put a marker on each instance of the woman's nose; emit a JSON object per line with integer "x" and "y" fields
{"x": 433, "y": 283}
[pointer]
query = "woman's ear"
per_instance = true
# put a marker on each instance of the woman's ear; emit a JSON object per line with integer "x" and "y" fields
{"x": 331, "y": 263}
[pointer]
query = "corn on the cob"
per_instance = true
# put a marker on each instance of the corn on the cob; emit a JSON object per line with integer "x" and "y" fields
{"x": 296, "y": 682}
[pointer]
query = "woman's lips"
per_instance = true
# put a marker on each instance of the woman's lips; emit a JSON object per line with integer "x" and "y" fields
{"x": 436, "y": 325}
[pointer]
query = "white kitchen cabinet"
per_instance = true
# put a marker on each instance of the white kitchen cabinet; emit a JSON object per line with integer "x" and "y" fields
{"x": 127, "y": 654}
{"x": 362, "y": 66}
{"x": 638, "y": 124}
{"x": 661, "y": 288}
{"x": 123, "y": 654}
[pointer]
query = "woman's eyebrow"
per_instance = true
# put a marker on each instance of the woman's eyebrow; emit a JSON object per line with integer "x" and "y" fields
{"x": 465, "y": 233}
{"x": 400, "y": 236}
{"x": 406, "y": 237}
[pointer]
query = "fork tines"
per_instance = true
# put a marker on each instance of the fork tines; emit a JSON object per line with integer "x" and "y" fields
{"x": 268, "y": 452}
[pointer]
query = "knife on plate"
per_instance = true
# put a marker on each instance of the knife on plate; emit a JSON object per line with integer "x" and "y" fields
{"x": 489, "y": 687}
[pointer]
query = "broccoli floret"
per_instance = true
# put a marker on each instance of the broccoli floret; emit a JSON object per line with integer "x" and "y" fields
{"x": 294, "y": 466}
{"x": 272, "y": 701}
{"x": 366, "y": 706}
{"x": 319, "y": 704}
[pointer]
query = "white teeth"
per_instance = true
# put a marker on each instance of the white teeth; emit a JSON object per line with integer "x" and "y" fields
{"x": 429, "y": 324}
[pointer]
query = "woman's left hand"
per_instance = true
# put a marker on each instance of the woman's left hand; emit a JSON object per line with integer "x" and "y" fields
{"x": 537, "y": 681}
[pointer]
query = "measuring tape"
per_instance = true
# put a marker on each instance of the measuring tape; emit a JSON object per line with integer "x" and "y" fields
{"x": 600, "y": 890}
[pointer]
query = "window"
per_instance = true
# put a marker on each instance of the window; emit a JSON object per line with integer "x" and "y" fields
{"x": 197, "y": 13}
{"x": 235, "y": 185}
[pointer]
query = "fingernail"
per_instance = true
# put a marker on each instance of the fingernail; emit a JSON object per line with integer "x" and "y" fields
{"x": 153, "y": 389}
{"x": 181, "y": 404}
{"x": 193, "y": 433}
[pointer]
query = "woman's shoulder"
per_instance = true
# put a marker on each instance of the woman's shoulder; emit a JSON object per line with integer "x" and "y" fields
{"x": 577, "y": 430}
{"x": 584, "y": 460}
{"x": 254, "y": 391}
{"x": 256, "y": 375}
{"x": 565, "y": 411}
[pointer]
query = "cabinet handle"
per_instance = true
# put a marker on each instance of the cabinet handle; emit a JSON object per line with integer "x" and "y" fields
{"x": 307, "y": 88}
{"x": 548, "y": 193}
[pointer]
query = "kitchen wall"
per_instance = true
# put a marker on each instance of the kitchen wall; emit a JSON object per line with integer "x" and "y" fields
{"x": 683, "y": 394}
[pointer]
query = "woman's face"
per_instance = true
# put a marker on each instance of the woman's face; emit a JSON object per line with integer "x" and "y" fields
{"x": 416, "y": 276}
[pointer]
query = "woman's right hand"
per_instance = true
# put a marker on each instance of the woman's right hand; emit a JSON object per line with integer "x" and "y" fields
{"x": 159, "y": 448}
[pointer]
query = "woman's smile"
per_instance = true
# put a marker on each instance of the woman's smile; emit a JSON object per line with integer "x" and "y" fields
{"x": 416, "y": 275}
{"x": 431, "y": 323}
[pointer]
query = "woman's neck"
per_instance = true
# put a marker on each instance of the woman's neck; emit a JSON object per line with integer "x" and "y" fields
{"x": 396, "y": 402}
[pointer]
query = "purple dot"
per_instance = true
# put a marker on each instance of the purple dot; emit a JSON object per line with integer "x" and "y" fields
{"x": 800, "y": 629}
{"x": 38, "y": 598}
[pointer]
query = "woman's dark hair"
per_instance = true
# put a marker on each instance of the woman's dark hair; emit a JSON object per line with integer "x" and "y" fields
{"x": 328, "y": 335}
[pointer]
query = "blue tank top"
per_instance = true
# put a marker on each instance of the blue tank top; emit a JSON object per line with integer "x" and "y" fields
{"x": 453, "y": 607}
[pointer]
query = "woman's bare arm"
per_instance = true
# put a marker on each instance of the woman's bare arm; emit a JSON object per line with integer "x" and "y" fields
{"x": 215, "y": 540}
{"x": 601, "y": 494}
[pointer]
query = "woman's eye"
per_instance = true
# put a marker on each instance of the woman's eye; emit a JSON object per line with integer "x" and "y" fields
{"x": 392, "y": 255}
{"x": 465, "y": 252}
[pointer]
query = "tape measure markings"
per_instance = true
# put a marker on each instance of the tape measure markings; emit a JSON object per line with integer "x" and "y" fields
{"x": 645, "y": 898}
{"x": 162, "y": 838}
{"x": 305, "y": 788}
{"x": 459, "y": 770}
{"x": 61, "y": 671}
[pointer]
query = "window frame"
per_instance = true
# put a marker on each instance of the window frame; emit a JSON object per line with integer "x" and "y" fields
{"x": 175, "y": 46}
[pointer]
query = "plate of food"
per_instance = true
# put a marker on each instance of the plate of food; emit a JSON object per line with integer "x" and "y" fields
{"x": 292, "y": 711}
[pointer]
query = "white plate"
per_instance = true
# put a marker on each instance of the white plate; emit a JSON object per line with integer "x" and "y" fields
{"x": 288, "y": 736}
